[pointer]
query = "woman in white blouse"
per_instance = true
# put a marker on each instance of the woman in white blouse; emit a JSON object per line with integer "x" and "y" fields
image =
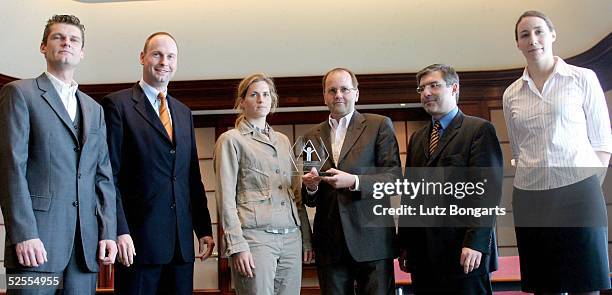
{"x": 559, "y": 130}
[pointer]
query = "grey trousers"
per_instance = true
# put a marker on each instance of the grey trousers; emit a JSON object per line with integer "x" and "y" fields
{"x": 278, "y": 264}
{"x": 76, "y": 279}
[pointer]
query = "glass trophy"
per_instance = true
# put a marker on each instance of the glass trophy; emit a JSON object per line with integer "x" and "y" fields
{"x": 308, "y": 153}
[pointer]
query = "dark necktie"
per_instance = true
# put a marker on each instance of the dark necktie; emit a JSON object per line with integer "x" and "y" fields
{"x": 435, "y": 137}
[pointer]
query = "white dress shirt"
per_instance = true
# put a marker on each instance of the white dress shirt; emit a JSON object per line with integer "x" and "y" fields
{"x": 151, "y": 94}
{"x": 337, "y": 134}
{"x": 67, "y": 93}
{"x": 562, "y": 127}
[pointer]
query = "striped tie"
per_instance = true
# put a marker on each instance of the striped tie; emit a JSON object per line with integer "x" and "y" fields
{"x": 435, "y": 137}
{"x": 163, "y": 114}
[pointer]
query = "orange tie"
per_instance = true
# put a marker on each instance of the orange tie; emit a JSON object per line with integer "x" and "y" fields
{"x": 164, "y": 115}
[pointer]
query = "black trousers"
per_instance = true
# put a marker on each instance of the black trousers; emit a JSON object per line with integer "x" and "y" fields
{"x": 351, "y": 277}
{"x": 175, "y": 277}
{"x": 476, "y": 284}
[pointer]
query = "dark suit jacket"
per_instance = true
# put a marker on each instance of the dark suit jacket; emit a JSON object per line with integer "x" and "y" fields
{"x": 51, "y": 180}
{"x": 467, "y": 142}
{"x": 160, "y": 195}
{"x": 342, "y": 215}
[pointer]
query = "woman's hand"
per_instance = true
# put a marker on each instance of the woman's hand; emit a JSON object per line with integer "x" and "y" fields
{"x": 243, "y": 262}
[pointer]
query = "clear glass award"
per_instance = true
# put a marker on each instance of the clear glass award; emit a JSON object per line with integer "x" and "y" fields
{"x": 308, "y": 153}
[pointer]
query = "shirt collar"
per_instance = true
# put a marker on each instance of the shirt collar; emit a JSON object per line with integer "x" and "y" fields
{"x": 150, "y": 91}
{"x": 343, "y": 122}
{"x": 448, "y": 118}
{"x": 60, "y": 86}
{"x": 560, "y": 68}
{"x": 246, "y": 127}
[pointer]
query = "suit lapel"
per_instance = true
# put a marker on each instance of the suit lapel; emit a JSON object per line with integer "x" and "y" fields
{"x": 145, "y": 109}
{"x": 261, "y": 138}
{"x": 448, "y": 135}
{"x": 52, "y": 98}
{"x": 247, "y": 128}
{"x": 355, "y": 128}
{"x": 85, "y": 115}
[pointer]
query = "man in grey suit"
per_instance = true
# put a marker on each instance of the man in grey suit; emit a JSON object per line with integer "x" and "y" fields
{"x": 56, "y": 187}
{"x": 349, "y": 249}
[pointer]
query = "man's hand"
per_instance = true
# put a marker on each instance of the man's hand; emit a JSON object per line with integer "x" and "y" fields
{"x": 126, "y": 249}
{"x": 309, "y": 256}
{"x": 311, "y": 179}
{"x": 243, "y": 262}
{"x": 207, "y": 244}
{"x": 403, "y": 260}
{"x": 470, "y": 259}
{"x": 31, "y": 253}
{"x": 107, "y": 251}
{"x": 339, "y": 179}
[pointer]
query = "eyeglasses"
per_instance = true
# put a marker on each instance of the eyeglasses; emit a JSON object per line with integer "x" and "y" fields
{"x": 433, "y": 86}
{"x": 343, "y": 90}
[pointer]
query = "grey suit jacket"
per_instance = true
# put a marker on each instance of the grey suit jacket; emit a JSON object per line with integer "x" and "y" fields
{"x": 343, "y": 222}
{"x": 52, "y": 181}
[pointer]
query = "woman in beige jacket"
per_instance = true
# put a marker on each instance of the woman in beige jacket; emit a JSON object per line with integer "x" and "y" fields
{"x": 266, "y": 229}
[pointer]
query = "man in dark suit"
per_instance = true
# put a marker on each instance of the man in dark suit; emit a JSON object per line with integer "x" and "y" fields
{"x": 56, "y": 187}
{"x": 455, "y": 259}
{"x": 161, "y": 199}
{"x": 363, "y": 150}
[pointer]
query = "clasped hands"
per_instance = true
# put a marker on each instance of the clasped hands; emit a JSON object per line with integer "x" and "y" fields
{"x": 338, "y": 179}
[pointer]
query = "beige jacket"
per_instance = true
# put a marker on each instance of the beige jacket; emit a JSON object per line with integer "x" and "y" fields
{"x": 255, "y": 188}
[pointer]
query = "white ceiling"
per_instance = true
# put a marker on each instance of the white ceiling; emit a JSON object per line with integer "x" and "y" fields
{"x": 232, "y": 38}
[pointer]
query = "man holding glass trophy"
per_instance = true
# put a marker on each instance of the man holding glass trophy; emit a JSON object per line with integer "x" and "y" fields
{"x": 342, "y": 158}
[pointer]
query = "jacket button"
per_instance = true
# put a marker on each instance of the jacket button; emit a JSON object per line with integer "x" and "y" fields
{"x": 172, "y": 152}
{"x": 76, "y": 149}
{"x": 173, "y": 178}
{"x": 75, "y": 203}
{"x": 280, "y": 187}
{"x": 277, "y": 171}
{"x": 283, "y": 203}
{"x": 173, "y": 206}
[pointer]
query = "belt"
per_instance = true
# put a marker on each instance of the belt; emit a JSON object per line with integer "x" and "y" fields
{"x": 281, "y": 231}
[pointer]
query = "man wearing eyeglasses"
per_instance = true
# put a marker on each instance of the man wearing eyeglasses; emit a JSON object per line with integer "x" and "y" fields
{"x": 363, "y": 150}
{"x": 458, "y": 259}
